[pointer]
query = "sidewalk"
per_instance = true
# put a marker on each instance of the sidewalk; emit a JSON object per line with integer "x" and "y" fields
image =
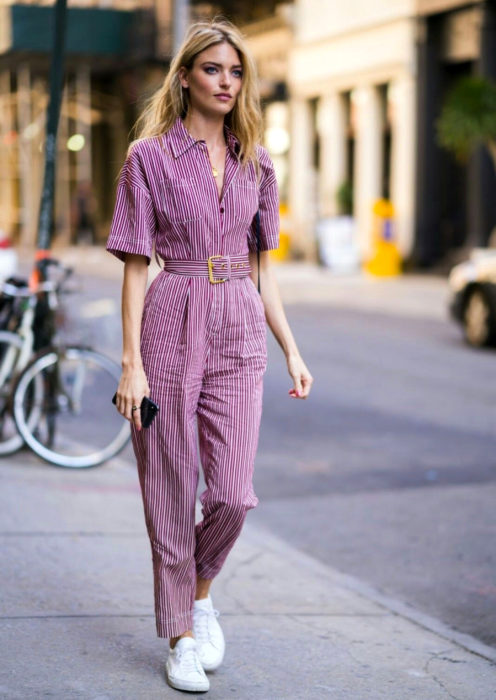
{"x": 407, "y": 295}
{"x": 77, "y": 609}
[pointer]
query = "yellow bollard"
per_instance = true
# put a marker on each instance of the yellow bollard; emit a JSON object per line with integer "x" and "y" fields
{"x": 386, "y": 257}
{"x": 282, "y": 253}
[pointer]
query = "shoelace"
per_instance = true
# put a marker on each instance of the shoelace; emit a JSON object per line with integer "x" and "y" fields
{"x": 202, "y": 618}
{"x": 189, "y": 661}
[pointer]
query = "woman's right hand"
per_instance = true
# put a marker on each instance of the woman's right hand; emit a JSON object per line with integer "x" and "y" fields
{"x": 133, "y": 386}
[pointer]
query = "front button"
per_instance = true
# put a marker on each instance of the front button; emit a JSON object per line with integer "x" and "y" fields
{"x": 222, "y": 210}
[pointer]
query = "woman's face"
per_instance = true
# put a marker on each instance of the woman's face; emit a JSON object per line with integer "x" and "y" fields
{"x": 214, "y": 81}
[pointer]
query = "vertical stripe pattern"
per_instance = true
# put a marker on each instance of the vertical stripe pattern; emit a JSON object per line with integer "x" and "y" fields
{"x": 204, "y": 352}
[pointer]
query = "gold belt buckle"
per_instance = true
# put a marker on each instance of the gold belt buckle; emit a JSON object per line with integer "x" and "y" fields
{"x": 211, "y": 271}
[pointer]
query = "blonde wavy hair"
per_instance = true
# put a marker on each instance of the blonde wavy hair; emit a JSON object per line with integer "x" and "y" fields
{"x": 171, "y": 100}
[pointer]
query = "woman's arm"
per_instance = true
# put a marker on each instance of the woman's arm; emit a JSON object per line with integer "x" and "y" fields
{"x": 276, "y": 318}
{"x": 133, "y": 385}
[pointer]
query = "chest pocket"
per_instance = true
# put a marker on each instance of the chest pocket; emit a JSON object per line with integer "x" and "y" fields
{"x": 181, "y": 200}
{"x": 245, "y": 200}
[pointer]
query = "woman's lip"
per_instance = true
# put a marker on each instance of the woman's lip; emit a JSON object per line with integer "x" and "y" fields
{"x": 223, "y": 97}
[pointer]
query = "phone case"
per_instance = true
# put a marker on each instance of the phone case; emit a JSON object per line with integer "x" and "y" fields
{"x": 148, "y": 410}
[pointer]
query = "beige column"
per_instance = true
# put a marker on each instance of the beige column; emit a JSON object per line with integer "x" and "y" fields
{"x": 40, "y": 104}
{"x": 8, "y": 166}
{"x": 83, "y": 123}
{"x": 302, "y": 181}
{"x": 28, "y": 205}
{"x": 331, "y": 124}
{"x": 403, "y": 160}
{"x": 368, "y": 161}
{"x": 163, "y": 19}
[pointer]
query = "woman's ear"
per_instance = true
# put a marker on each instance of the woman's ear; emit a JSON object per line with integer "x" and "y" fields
{"x": 182, "y": 74}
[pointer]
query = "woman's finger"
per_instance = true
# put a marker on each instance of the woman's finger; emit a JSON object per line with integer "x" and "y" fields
{"x": 121, "y": 405}
{"x": 307, "y": 383}
{"x": 297, "y": 383}
{"x": 136, "y": 414}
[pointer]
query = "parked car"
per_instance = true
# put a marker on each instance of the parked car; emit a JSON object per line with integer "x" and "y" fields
{"x": 473, "y": 296}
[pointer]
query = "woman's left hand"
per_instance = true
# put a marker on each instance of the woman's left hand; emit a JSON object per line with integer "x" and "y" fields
{"x": 301, "y": 377}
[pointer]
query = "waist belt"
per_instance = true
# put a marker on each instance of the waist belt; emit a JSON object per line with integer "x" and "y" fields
{"x": 218, "y": 268}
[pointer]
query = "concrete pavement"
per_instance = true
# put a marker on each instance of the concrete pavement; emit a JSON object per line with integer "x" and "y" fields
{"x": 77, "y": 608}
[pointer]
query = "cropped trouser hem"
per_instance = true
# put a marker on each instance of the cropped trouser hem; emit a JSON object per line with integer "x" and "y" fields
{"x": 174, "y": 626}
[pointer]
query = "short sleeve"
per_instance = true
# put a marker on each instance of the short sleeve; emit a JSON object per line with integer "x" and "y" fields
{"x": 268, "y": 207}
{"x": 133, "y": 224}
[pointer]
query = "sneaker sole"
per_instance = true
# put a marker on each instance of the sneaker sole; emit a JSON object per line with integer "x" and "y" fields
{"x": 184, "y": 685}
{"x": 190, "y": 687}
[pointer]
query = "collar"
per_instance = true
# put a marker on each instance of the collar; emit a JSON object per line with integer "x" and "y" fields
{"x": 181, "y": 140}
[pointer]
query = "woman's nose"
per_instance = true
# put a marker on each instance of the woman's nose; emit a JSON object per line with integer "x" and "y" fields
{"x": 225, "y": 78}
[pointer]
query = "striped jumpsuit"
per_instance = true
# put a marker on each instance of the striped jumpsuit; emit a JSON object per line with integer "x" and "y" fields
{"x": 204, "y": 353}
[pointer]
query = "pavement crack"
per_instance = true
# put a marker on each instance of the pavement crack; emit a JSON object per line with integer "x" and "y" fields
{"x": 439, "y": 657}
{"x": 344, "y": 647}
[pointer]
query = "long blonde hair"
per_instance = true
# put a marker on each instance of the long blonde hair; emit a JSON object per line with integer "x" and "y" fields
{"x": 171, "y": 100}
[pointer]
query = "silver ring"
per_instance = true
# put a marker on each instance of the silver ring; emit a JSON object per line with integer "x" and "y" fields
{"x": 134, "y": 408}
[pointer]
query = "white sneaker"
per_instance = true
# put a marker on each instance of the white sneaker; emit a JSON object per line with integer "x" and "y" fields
{"x": 208, "y": 634}
{"x": 183, "y": 667}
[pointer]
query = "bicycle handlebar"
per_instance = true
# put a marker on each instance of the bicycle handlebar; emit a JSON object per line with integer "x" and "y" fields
{"x": 16, "y": 287}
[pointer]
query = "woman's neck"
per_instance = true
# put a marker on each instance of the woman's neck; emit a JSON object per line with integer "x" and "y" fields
{"x": 210, "y": 130}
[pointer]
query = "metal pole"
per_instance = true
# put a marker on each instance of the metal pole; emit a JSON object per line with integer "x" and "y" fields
{"x": 45, "y": 221}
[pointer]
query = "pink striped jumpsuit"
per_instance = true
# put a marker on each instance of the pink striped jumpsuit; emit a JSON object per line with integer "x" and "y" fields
{"x": 203, "y": 348}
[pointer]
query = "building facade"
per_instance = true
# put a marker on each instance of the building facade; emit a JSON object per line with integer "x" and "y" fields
{"x": 116, "y": 51}
{"x": 367, "y": 81}
{"x": 269, "y": 40}
{"x": 352, "y": 84}
{"x": 455, "y": 202}
{"x": 351, "y": 94}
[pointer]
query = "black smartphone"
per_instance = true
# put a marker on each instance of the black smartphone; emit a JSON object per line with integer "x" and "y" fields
{"x": 148, "y": 410}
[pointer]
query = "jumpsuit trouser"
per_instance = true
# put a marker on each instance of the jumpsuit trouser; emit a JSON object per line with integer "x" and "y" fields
{"x": 204, "y": 353}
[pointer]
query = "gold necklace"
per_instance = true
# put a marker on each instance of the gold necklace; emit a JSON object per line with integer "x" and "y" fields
{"x": 215, "y": 171}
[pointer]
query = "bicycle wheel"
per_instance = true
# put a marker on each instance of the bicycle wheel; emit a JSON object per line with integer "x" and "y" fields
{"x": 78, "y": 426}
{"x": 11, "y": 361}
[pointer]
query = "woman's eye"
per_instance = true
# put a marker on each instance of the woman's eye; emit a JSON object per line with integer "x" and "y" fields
{"x": 210, "y": 69}
{"x": 238, "y": 73}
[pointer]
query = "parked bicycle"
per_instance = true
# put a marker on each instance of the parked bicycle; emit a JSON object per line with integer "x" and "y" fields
{"x": 53, "y": 396}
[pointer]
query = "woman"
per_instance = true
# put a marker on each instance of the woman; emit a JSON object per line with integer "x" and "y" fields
{"x": 196, "y": 342}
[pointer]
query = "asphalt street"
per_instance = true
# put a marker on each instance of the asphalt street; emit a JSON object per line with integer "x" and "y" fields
{"x": 387, "y": 472}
